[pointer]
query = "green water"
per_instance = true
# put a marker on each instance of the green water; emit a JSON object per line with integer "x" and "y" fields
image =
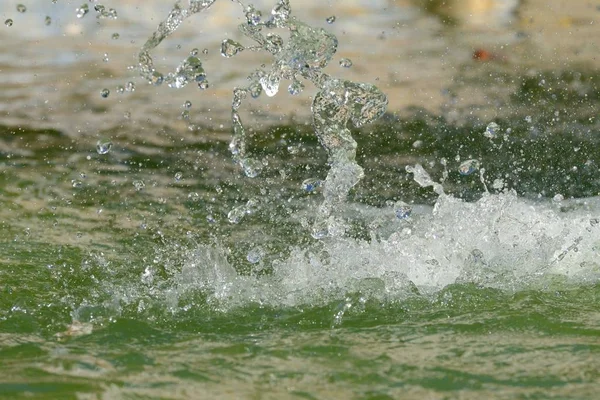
{"x": 94, "y": 301}
{"x": 122, "y": 275}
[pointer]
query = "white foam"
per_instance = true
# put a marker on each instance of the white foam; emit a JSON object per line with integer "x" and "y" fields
{"x": 501, "y": 241}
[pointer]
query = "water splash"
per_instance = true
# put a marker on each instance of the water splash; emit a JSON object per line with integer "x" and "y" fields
{"x": 308, "y": 50}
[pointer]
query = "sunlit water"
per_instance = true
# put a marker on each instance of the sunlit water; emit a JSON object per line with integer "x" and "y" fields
{"x": 141, "y": 257}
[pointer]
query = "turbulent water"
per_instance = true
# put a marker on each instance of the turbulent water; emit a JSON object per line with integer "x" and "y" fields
{"x": 154, "y": 246}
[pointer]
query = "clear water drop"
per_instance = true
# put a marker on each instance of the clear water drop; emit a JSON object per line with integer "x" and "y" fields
{"x": 21, "y": 8}
{"x": 402, "y": 210}
{"x": 230, "y": 48}
{"x": 295, "y": 87}
{"x": 345, "y": 62}
{"x": 105, "y": 57}
{"x": 82, "y": 10}
{"x": 178, "y": 176}
{"x": 8, "y": 22}
{"x": 103, "y": 146}
{"x": 253, "y": 16}
{"x": 330, "y": 20}
{"x": 120, "y": 89}
{"x": 139, "y": 185}
{"x": 130, "y": 87}
{"x": 255, "y": 255}
{"x": 311, "y": 185}
{"x": 205, "y": 51}
{"x": 492, "y": 130}
{"x": 47, "y": 21}
{"x": 105, "y": 93}
{"x": 115, "y": 36}
{"x": 468, "y": 167}
{"x": 203, "y": 85}
{"x": 187, "y": 104}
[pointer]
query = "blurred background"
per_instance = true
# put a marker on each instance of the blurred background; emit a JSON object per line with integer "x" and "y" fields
{"x": 441, "y": 56}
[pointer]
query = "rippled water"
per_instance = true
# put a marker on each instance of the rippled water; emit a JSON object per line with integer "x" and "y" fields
{"x": 137, "y": 260}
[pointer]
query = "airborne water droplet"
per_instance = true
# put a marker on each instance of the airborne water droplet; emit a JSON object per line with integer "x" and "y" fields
{"x": 491, "y": 130}
{"x": 330, "y": 20}
{"x": 295, "y": 87}
{"x": 178, "y": 176}
{"x": 187, "y": 104}
{"x": 130, "y": 87}
{"x": 345, "y": 62}
{"x": 83, "y": 10}
{"x": 21, "y": 8}
{"x": 8, "y": 22}
{"x": 104, "y": 93}
{"x": 310, "y": 185}
{"x": 47, "y": 20}
{"x": 230, "y": 48}
{"x": 468, "y": 167}
{"x": 115, "y": 36}
{"x": 139, "y": 185}
{"x": 103, "y": 146}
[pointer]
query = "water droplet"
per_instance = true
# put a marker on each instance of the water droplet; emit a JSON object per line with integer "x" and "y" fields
{"x": 21, "y": 8}
{"x": 492, "y": 130}
{"x": 251, "y": 167}
{"x": 104, "y": 93}
{"x": 120, "y": 89}
{"x": 205, "y": 51}
{"x": 528, "y": 119}
{"x": 178, "y": 176}
{"x": 194, "y": 52}
{"x": 345, "y": 62}
{"x": 115, "y": 36}
{"x": 103, "y": 146}
{"x": 187, "y": 104}
{"x": 253, "y": 15}
{"x": 295, "y": 87}
{"x": 468, "y": 167}
{"x": 255, "y": 89}
{"x": 157, "y": 78}
{"x": 82, "y": 10}
{"x": 105, "y": 57}
{"x": 280, "y": 14}
{"x": 270, "y": 83}
{"x": 8, "y": 22}
{"x": 139, "y": 185}
{"x": 76, "y": 184}
{"x": 203, "y": 85}
{"x": 47, "y": 21}
{"x": 255, "y": 255}
{"x": 189, "y": 70}
{"x": 330, "y": 20}
{"x": 402, "y": 210}
{"x": 130, "y": 87}
{"x": 230, "y": 48}
{"x": 558, "y": 198}
{"x": 310, "y": 185}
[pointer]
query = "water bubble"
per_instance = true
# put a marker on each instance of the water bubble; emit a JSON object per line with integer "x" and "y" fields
{"x": 178, "y": 176}
{"x": 103, "y": 146}
{"x": 330, "y": 20}
{"x": 310, "y": 185}
{"x": 115, "y": 36}
{"x": 139, "y": 185}
{"x": 230, "y": 48}
{"x": 130, "y": 87}
{"x": 104, "y": 93}
{"x": 491, "y": 130}
{"x": 21, "y": 8}
{"x": 468, "y": 167}
{"x": 345, "y": 62}
{"x": 251, "y": 167}
{"x": 187, "y": 104}
{"x": 82, "y": 10}
{"x": 8, "y": 22}
{"x": 47, "y": 21}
